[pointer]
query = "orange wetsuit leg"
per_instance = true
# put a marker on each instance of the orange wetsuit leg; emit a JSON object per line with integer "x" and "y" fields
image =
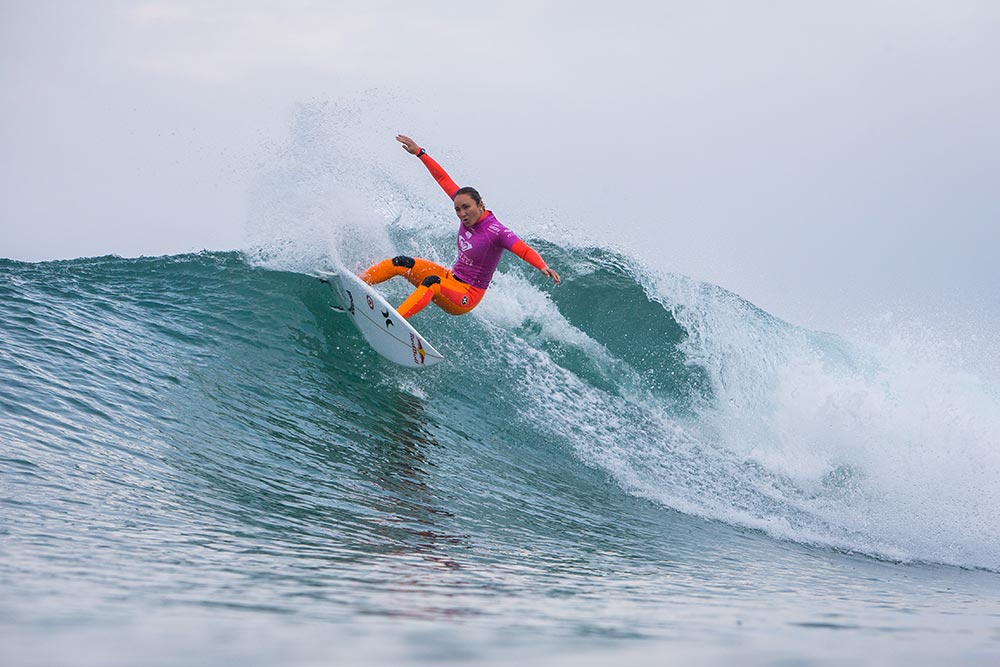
{"x": 433, "y": 283}
{"x": 384, "y": 270}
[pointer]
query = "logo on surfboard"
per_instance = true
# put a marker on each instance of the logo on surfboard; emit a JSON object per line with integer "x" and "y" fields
{"x": 388, "y": 320}
{"x": 419, "y": 354}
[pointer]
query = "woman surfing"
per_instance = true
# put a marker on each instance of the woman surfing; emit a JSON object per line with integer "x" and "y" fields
{"x": 482, "y": 240}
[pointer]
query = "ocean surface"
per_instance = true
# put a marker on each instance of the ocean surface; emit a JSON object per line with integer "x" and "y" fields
{"x": 201, "y": 463}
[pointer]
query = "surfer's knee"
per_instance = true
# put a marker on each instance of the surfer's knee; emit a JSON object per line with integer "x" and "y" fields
{"x": 403, "y": 260}
{"x": 430, "y": 281}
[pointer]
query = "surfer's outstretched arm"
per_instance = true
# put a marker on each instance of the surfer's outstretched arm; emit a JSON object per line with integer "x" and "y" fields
{"x": 531, "y": 256}
{"x": 437, "y": 171}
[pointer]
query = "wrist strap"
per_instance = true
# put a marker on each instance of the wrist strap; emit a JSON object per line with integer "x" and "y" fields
{"x": 421, "y": 153}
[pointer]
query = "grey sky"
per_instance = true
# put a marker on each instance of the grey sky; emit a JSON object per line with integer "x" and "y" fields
{"x": 823, "y": 159}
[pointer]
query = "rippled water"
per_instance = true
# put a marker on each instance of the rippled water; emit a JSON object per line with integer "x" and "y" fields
{"x": 191, "y": 473}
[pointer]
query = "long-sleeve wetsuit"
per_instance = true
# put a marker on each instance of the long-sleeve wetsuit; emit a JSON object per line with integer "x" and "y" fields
{"x": 480, "y": 248}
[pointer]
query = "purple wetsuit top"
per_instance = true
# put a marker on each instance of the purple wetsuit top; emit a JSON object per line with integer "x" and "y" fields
{"x": 480, "y": 249}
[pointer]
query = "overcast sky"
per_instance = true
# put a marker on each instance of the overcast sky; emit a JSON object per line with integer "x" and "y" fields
{"x": 817, "y": 158}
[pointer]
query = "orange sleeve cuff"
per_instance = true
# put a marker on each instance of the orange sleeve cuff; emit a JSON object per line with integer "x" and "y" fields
{"x": 440, "y": 175}
{"x": 528, "y": 254}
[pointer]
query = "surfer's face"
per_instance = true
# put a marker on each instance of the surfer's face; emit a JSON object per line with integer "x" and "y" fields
{"x": 468, "y": 210}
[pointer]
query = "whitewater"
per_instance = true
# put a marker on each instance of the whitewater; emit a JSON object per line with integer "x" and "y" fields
{"x": 203, "y": 463}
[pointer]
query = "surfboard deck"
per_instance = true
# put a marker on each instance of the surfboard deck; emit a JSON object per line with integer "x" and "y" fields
{"x": 386, "y": 331}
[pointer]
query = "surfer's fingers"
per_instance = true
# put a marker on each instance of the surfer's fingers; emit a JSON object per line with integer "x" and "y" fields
{"x": 408, "y": 144}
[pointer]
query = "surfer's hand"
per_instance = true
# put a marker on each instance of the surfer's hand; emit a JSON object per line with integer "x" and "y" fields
{"x": 551, "y": 274}
{"x": 409, "y": 145}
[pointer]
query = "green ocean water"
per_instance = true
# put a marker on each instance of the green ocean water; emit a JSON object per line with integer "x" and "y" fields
{"x": 202, "y": 463}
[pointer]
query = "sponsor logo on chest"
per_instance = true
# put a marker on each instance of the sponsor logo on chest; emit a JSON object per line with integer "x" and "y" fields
{"x": 464, "y": 244}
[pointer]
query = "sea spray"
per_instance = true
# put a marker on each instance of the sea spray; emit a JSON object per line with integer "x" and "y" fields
{"x": 684, "y": 392}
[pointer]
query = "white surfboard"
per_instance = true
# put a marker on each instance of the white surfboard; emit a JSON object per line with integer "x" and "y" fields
{"x": 383, "y": 327}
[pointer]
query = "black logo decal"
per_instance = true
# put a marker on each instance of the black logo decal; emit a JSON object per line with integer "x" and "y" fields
{"x": 388, "y": 322}
{"x": 350, "y": 296}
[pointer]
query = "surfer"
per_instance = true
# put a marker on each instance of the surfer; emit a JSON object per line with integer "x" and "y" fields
{"x": 481, "y": 242}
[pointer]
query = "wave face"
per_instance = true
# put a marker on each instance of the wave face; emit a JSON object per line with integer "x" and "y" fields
{"x": 152, "y": 393}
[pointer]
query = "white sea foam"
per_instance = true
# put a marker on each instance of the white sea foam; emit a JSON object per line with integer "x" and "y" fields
{"x": 887, "y": 444}
{"x": 881, "y": 445}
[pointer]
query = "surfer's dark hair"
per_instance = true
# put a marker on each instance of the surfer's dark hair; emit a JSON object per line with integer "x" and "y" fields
{"x": 472, "y": 192}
